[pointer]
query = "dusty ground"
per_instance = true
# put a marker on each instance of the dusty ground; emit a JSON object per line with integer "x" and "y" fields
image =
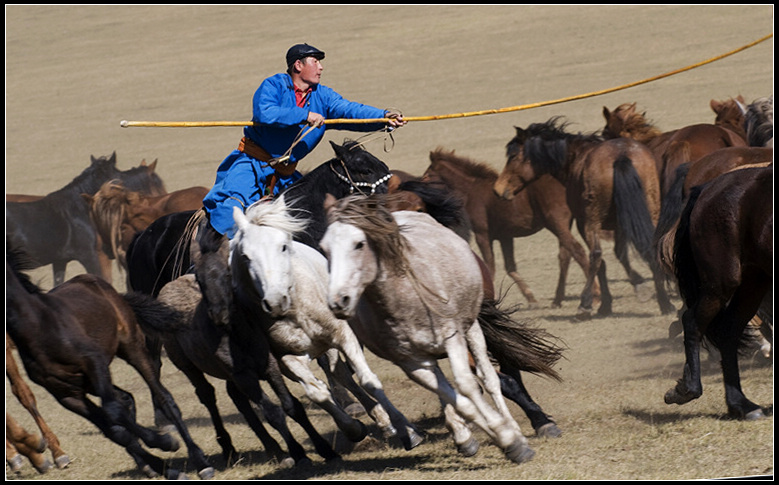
{"x": 73, "y": 73}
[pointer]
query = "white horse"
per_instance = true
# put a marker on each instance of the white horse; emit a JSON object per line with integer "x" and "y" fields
{"x": 287, "y": 280}
{"x": 412, "y": 291}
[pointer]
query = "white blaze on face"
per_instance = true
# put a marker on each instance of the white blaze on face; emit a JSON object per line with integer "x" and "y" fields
{"x": 352, "y": 266}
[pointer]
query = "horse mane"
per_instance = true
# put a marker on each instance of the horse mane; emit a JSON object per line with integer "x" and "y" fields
{"x": 759, "y": 122}
{"x": 475, "y": 169}
{"x": 18, "y": 260}
{"x": 442, "y": 204}
{"x": 631, "y": 124}
{"x": 108, "y": 210}
{"x": 546, "y": 144}
{"x": 370, "y": 215}
{"x": 277, "y": 214}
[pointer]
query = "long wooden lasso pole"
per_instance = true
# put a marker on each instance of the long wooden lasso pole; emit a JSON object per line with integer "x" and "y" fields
{"x": 198, "y": 124}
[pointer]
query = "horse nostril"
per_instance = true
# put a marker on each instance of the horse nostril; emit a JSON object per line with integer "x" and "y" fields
{"x": 266, "y": 307}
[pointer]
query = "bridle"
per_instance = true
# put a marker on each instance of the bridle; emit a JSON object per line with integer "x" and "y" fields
{"x": 356, "y": 185}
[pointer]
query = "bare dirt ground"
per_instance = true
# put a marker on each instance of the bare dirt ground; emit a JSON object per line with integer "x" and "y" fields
{"x": 74, "y": 72}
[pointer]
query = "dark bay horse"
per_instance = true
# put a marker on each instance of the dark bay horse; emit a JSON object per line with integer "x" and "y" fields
{"x": 57, "y": 228}
{"x": 67, "y": 338}
{"x": 724, "y": 268}
{"x": 670, "y": 148}
{"x": 239, "y": 355}
{"x": 26, "y": 398}
{"x": 610, "y": 184}
{"x": 542, "y": 205}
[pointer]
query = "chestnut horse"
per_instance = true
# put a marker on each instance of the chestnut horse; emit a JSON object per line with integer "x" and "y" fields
{"x": 21, "y": 441}
{"x": 609, "y": 184}
{"x": 724, "y": 268}
{"x": 119, "y": 213}
{"x": 493, "y": 218}
{"x": 673, "y": 148}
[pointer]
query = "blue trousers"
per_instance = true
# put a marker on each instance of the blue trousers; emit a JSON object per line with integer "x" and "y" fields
{"x": 240, "y": 181}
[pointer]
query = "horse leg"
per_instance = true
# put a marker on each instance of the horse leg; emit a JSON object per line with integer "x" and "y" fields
{"x": 596, "y": 265}
{"x": 106, "y": 422}
{"x": 339, "y": 391}
{"x": 466, "y": 444}
{"x": 205, "y": 393}
{"x": 340, "y": 377}
{"x": 350, "y": 346}
{"x": 512, "y": 387}
{"x": 19, "y": 440}
{"x": 135, "y": 353}
{"x": 24, "y": 394}
{"x": 689, "y": 387}
{"x": 564, "y": 259}
{"x": 272, "y": 415}
{"x": 297, "y": 368}
{"x": 154, "y": 347}
{"x": 726, "y": 331}
{"x": 507, "y": 247}
{"x": 294, "y": 409}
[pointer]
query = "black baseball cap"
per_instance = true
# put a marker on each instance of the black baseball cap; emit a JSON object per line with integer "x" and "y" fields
{"x": 301, "y": 51}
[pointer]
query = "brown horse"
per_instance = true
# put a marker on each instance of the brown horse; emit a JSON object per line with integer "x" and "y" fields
{"x": 25, "y": 396}
{"x": 724, "y": 268}
{"x": 609, "y": 184}
{"x": 672, "y": 148}
{"x": 493, "y": 218}
{"x": 67, "y": 338}
{"x": 119, "y": 213}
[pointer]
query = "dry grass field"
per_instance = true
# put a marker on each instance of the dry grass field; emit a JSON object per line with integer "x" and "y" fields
{"x": 74, "y": 72}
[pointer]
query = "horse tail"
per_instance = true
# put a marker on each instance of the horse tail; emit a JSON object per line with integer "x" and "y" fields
{"x": 670, "y": 209}
{"x": 516, "y": 344}
{"x": 634, "y": 222}
{"x": 154, "y": 316}
{"x": 685, "y": 269}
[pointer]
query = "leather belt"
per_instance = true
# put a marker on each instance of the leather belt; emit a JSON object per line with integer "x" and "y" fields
{"x": 254, "y": 150}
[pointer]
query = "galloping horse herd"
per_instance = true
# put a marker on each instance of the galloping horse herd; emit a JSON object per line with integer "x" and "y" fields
{"x": 329, "y": 268}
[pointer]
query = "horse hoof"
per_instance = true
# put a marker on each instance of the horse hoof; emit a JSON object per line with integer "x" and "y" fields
{"x": 355, "y": 410}
{"x": 44, "y": 467}
{"x": 549, "y": 430}
{"x": 754, "y": 415}
{"x": 533, "y": 305}
{"x": 413, "y": 439}
{"x": 584, "y": 314}
{"x": 62, "y": 461}
{"x": 676, "y": 396}
{"x": 149, "y": 472}
{"x": 15, "y": 463}
{"x": 389, "y": 432}
{"x": 519, "y": 452}
{"x": 206, "y": 473}
{"x": 469, "y": 448}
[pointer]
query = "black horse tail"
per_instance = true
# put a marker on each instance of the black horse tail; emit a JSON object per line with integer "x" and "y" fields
{"x": 155, "y": 317}
{"x": 634, "y": 222}
{"x": 670, "y": 210}
{"x": 685, "y": 268}
{"x": 516, "y": 344}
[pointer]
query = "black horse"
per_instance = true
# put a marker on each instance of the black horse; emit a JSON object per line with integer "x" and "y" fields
{"x": 723, "y": 257}
{"x": 57, "y": 228}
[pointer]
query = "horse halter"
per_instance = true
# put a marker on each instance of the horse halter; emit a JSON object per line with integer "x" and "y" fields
{"x": 356, "y": 185}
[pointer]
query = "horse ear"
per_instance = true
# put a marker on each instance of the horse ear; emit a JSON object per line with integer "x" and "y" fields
{"x": 520, "y": 133}
{"x": 88, "y": 198}
{"x": 153, "y": 165}
{"x": 606, "y": 113}
{"x": 715, "y": 105}
{"x": 113, "y": 158}
{"x": 338, "y": 149}
{"x": 241, "y": 221}
{"x": 329, "y": 202}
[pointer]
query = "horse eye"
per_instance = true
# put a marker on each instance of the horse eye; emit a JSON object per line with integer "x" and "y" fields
{"x": 284, "y": 248}
{"x": 359, "y": 245}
